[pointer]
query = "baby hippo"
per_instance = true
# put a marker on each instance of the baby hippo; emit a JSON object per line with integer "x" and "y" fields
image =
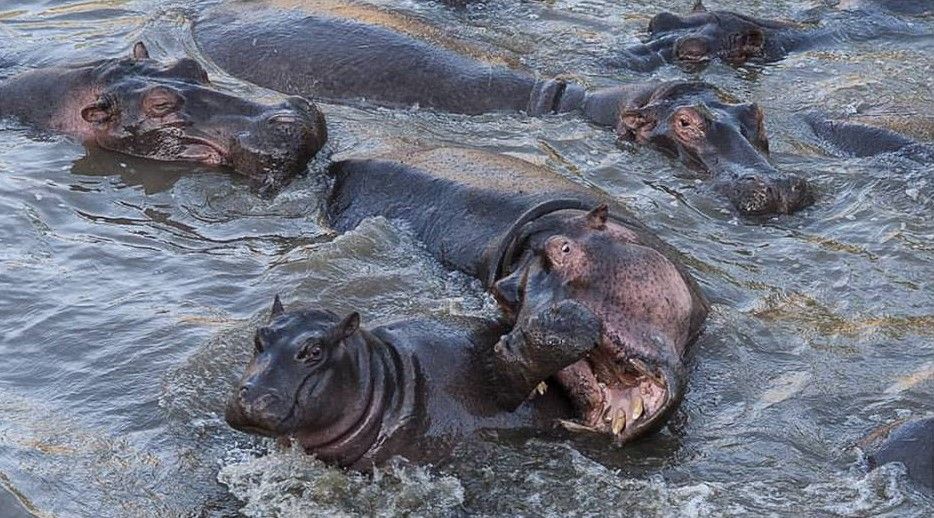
{"x": 355, "y": 397}
{"x": 144, "y": 108}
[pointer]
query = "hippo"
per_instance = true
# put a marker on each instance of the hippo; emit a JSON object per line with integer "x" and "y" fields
{"x": 708, "y": 130}
{"x": 329, "y": 57}
{"x": 168, "y": 111}
{"x": 544, "y": 245}
{"x": 860, "y": 140}
{"x": 354, "y": 397}
{"x": 912, "y": 444}
{"x": 693, "y": 41}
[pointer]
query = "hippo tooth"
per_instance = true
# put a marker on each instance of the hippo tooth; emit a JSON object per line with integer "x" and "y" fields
{"x": 619, "y": 422}
{"x": 636, "y": 408}
{"x": 541, "y": 388}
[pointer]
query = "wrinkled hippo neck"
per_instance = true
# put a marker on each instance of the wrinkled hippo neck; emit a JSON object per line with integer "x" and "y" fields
{"x": 387, "y": 397}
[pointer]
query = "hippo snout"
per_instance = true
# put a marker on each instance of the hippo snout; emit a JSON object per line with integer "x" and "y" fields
{"x": 754, "y": 195}
{"x": 256, "y": 411}
{"x": 279, "y": 144}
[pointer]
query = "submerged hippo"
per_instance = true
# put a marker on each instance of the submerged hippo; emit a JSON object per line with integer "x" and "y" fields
{"x": 860, "y": 140}
{"x": 910, "y": 443}
{"x": 707, "y": 130}
{"x": 354, "y": 397}
{"x": 335, "y": 58}
{"x": 694, "y": 40}
{"x": 167, "y": 111}
{"x": 544, "y": 245}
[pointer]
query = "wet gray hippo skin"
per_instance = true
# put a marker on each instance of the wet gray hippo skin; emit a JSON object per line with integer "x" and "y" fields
{"x": 860, "y": 140}
{"x": 354, "y": 396}
{"x": 694, "y": 40}
{"x": 912, "y": 444}
{"x": 707, "y": 130}
{"x": 555, "y": 255}
{"x": 333, "y": 58}
{"x": 167, "y": 111}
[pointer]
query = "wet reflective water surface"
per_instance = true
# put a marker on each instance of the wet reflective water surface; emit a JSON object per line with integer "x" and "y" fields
{"x": 128, "y": 288}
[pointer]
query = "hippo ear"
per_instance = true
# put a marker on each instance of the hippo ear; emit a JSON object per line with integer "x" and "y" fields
{"x": 699, "y": 7}
{"x": 140, "y": 51}
{"x": 97, "y": 112}
{"x": 348, "y": 326}
{"x": 277, "y": 308}
{"x": 636, "y": 123}
{"x": 596, "y": 218}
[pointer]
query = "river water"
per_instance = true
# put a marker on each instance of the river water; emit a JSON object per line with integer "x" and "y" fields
{"x": 128, "y": 289}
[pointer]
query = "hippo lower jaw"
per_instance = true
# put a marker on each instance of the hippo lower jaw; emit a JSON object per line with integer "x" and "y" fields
{"x": 621, "y": 398}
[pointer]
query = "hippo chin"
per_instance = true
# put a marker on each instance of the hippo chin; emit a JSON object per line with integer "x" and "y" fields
{"x": 700, "y": 37}
{"x": 324, "y": 56}
{"x": 148, "y": 109}
{"x": 709, "y": 131}
{"x": 355, "y": 397}
{"x": 560, "y": 259}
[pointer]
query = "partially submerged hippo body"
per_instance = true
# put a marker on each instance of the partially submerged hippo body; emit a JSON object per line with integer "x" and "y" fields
{"x": 148, "y": 109}
{"x": 694, "y": 40}
{"x": 556, "y": 255}
{"x": 709, "y": 131}
{"x": 355, "y": 397}
{"x": 912, "y": 444}
{"x": 860, "y": 140}
{"x": 333, "y": 58}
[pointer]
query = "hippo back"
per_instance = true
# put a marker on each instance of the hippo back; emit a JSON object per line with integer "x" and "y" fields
{"x": 460, "y": 202}
{"x": 336, "y": 58}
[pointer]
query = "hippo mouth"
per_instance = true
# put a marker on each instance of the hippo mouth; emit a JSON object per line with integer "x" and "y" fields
{"x": 621, "y": 397}
{"x": 202, "y": 150}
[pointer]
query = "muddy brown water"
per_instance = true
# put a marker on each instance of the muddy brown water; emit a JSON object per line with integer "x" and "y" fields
{"x": 128, "y": 289}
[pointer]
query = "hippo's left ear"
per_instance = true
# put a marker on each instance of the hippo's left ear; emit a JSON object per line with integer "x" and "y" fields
{"x": 699, "y": 7}
{"x": 348, "y": 326}
{"x": 140, "y": 51}
{"x": 596, "y": 218}
{"x": 277, "y": 308}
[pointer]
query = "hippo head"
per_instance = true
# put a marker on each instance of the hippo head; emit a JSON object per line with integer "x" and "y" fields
{"x": 711, "y": 132}
{"x": 302, "y": 379}
{"x": 694, "y": 40}
{"x": 589, "y": 267}
{"x": 171, "y": 112}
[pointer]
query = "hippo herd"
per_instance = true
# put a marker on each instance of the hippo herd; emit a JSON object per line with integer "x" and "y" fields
{"x": 598, "y": 313}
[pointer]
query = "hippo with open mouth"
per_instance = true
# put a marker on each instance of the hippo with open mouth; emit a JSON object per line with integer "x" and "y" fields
{"x": 544, "y": 245}
{"x": 168, "y": 111}
{"x": 355, "y": 397}
{"x": 693, "y": 41}
{"x": 707, "y": 130}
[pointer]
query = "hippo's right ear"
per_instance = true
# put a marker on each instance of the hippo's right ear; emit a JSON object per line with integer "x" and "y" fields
{"x": 596, "y": 218}
{"x": 699, "y": 7}
{"x": 348, "y": 326}
{"x": 277, "y": 308}
{"x": 140, "y": 51}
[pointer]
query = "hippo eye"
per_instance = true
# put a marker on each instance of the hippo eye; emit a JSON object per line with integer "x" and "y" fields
{"x": 309, "y": 353}
{"x": 566, "y": 248}
{"x": 257, "y": 344}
